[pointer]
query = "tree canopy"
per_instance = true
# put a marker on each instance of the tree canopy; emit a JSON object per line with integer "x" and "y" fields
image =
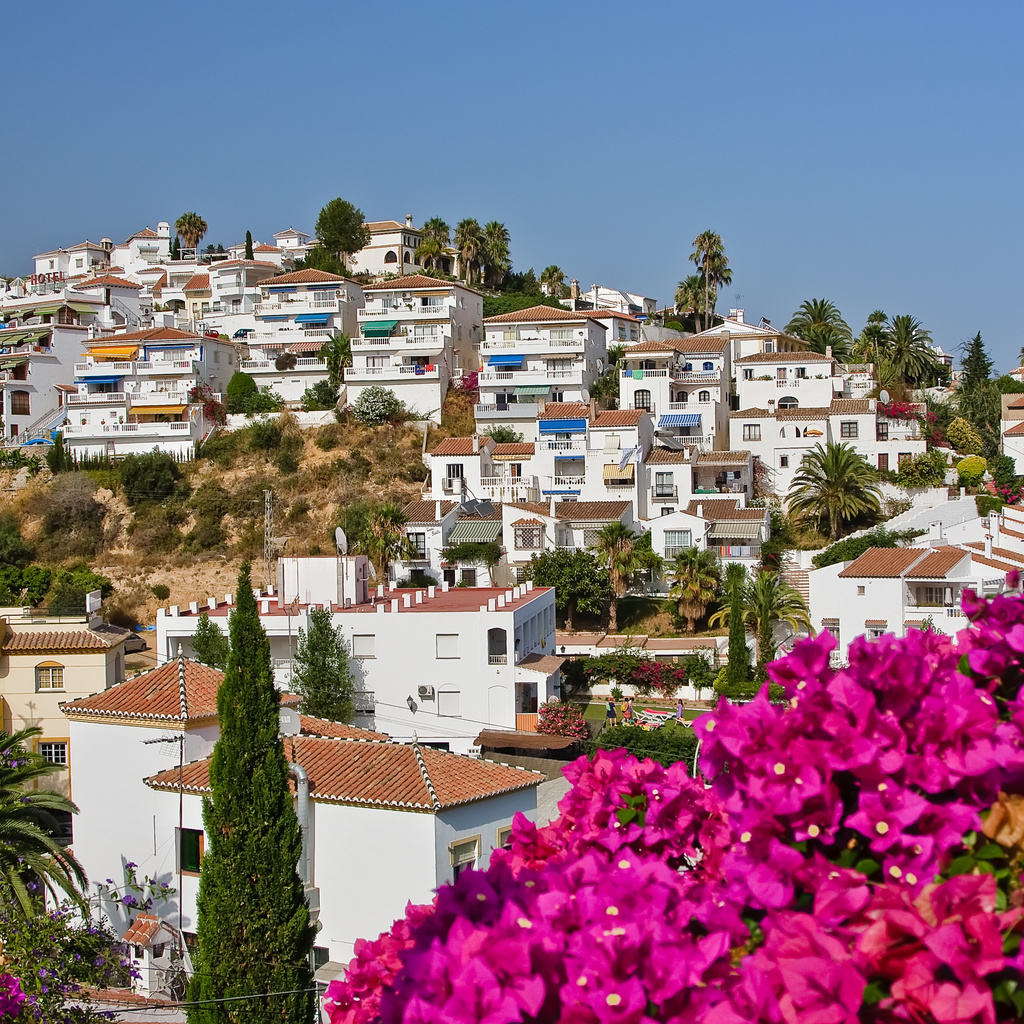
{"x": 341, "y": 228}
{"x": 835, "y": 486}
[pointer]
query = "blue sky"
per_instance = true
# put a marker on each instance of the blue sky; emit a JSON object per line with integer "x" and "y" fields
{"x": 867, "y": 152}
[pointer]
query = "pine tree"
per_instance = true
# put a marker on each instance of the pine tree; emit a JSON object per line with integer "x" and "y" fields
{"x": 254, "y": 932}
{"x": 322, "y": 675}
{"x": 977, "y": 367}
{"x": 209, "y": 644}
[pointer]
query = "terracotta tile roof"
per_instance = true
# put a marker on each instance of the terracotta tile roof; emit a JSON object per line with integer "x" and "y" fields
{"x": 1002, "y": 566}
{"x": 159, "y": 281}
{"x": 882, "y": 563}
{"x": 527, "y": 522}
{"x": 936, "y": 565}
{"x": 107, "y": 281}
{"x": 426, "y": 511}
{"x": 338, "y": 730}
{"x": 584, "y": 639}
{"x": 310, "y": 276}
{"x": 564, "y": 411}
{"x": 247, "y": 263}
{"x": 196, "y": 283}
{"x": 802, "y": 414}
{"x": 411, "y": 281}
{"x": 263, "y": 247}
{"x": 1014, "y": 431}
{"x": 611, "y": 642}
{"x": 538, "y": 315}
{"x": 152, "y": 334}
{"x": 712, "y": 345}
{"x": 1017, "y": 402}
{"x": 155, "y": 694}
{"x": 680, "y": 644}
{"x": 386, "y": 225}
{"x": 850, "y": 406}
{"x": 618, "y": 417}
{"x": 876, "y": 623}
{"x": 55, "y": 640}
{"x": 591, "y": 511}
{"x": 1006, "y": 554}
{"x": 536, "y": 507}
{"x": 507, "y": 739}
{"x": 143, "y": 928}
{"x": 641, "y": 347}
{"x": 513, "y": 449}
{"x": 600, "y": 314}
{"x": 750, "y": 414}
{"x": 546, "y": 663}
{"x": 785, "y": 357}
{"x": 737, "y": 458}
{"x": 715, "y": 508}
{"x": 144, "y": 233}
{"x": 377, "y": 774}
{"x": 460, "y": 446}
{"x": 667, "y": 457}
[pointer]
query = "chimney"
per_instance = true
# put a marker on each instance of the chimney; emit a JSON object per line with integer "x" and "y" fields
{"x": 394, "y": 605}
{"x": 574, "y": 289}
{"x": 476, "y": 444}
{"x": 163, "y": 229}
{"x": 552, "y": 506}
{"x": 406, "y": 601}
{"x": 988, "y": 545}
{"x": 408, "y": 220}
{"x": 993, "y": 525}
{"x": 437, "y": 510}
{"x": 828, "y": 351}
{"x": 700, "y": 511}
{"x": 431, "y": 592}
{"x": 593, "y": 408}
{"x": 492, "y": 604}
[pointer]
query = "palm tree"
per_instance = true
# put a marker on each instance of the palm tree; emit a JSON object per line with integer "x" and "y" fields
{"x": 385, "y": 540}
{"x": 695, "y": 576}
{"x": 908, "y": 347}
{"x": 690, "y": 295}
{"x": 821, "y": 325}
{"x": 616, "y": 550}
{"x": 871, "y": 339}
{"x": 552, "y": 280}
{"x": 469, "y": 243}
{"x": 713, "y": 264}
{"x": 836, "y": 484}
{"x": 436, "y": 238}
{"x": 29, "y": 851}
{"x": 191, "y": 227}
{"x": 496, "y": 258}
{"x": 768, "y": 601}
{"x": 337, "y": 353}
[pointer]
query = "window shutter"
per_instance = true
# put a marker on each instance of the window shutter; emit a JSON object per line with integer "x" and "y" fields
{"x": 363, "y": 646}
{"x": 464, "y": 854}
{"x": 447, "y": 645}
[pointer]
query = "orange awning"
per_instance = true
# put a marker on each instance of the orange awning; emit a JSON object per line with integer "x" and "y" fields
{"x": 162, "y": 410}
{"x": 114, "y": 351}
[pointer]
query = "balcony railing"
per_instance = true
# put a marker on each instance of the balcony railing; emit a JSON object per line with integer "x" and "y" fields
{"x": 690, "y": 406}
{"x": 737, "y": 550}
{"x": 497, "y": 659}
{"x": 404, "y": 312}
{"x": 664, "y": 493}
{"x": 356, "y": 373}
{"x": 569, "y": 481}
{"x": 506, "y": 410}
{"x": 645, "y": 374}
{"x": 532, "y": 344}
{"x": 561, "y": 446}
{"x": 146, "y": 429}
{"x": 572, "y": 376}
{"x": 98, "y": 398}
{"x": 266, "y": 365}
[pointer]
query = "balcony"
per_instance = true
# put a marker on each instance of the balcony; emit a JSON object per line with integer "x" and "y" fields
{"x": 506, "y": 410}
{"x": 406, "y": 339}
{"x": 98, "y": 398}
{"x": 532, "y": 344}
{"x": 299, "y": 306}
{"x": 103, "y": 369}
{"x": 497, "y": 659}
{"x": 691, "y": 406}
{"x": 505, "y": 488}
{"x": 405, "y": 312}
{"x": 453, "y": 485}
{"x": 129, "y": 430}
{"x": 545, "y": 376}
{"x": 562, "y": 446}
{"x": 167, "y": 366}
{"x": 144, "y": 398}
{"x": 266, "y": 366}
{"x": 665, "y": 493}
{"x": 569, "y": 481}
{"x": 644, "y": 374}
{"x": 736, "y": 550}
{"x": 375, "y": 374}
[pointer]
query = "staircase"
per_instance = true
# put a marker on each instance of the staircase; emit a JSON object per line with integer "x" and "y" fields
{"x": 799, "y": 579}
{"x": 42, "y": 428}
{"x": 131, "y": 319}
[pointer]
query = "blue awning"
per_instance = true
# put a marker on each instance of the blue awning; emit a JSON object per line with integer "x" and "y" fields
{"x": 322, "y": 287}
{"x": 104, "y": 380}
{"x": 505, "y": 361}
{"x": 282, "y": 288}
{"x": 679, "y": 419}
{"x": 161, "y": 346}
{"x": 562, "y": 426}
{"x": 313, "y": 318}
{"x": 273, "y": 318}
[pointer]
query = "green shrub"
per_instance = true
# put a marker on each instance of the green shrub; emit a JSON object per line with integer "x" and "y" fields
{"x": 13, "y": 549}
{"x": 988, "y": 503}
{"x": 221, "y": 448}
{"x": 155, "y": 529}
{"x": 926, "y": 470}
{"x": 1004, "y": 470}
{"x": 161, "y": 591}
{"x": 58, "y": 458}
{"x": 327, "y": 437}
{"x": 320, "y": 396}
{"x": 264, "y": 435}
{"x": 376, "y": 405}
{"x": 970, "y": 470}
{"x": 149, "y": 477}
{"x": 667, "y": 745}
{"x": 298, "y": 510}
{"x": 503, "y": 434}
{"x": 853, "y": 547}
{"x": 963, "y": 437}
{"x": 241, "y": 388}
{"x": 72, "y": 518}
{"x": 69, "y": 587}
{"x": 287, "y": 460}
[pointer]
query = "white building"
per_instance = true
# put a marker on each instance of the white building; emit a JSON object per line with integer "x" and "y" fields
{"x": 685, "y": 383}
{"x": 1012, "y": 429}
{"x": 135, "y": 392}
{"x": 235, "y": 290}
{"x": 391, "y": 249}
{"x": 416, "y": 334}
{"x": 601, "y": 297}
{"x": 143, "y": 250}
{"x": 537, "y": 354}
{"x": 748, "y": 339}
{"x": 82, "y": 260}
{"x": 293, "y": 243}
{"x": 421, "y": 815}
{"x": 787, "y": 380}
{"x": 468, "y": 645}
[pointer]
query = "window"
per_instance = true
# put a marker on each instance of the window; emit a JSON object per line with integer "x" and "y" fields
{"x": 751, "y": 431}
{"x": 663, "y": 485}
{"x": 390, "y": 256}
{"x": 528, "y": 538}
{"x": 848, "y": 428}
{"x": 676, "y": 541}
{"x": 681, "y": 397}
{"x": 833, "y": 631}
{"x": 704, "y": 396}
{"x": 769, "y": 346}
{"x": 505, "y": 838}
{"x": 788, "y": 402}
{"x": 448, "y": 702}
{"x": 190, "y": 849}
{"x": 860, "y": 591}
{"x": 883, "y": 461}
{"x": 687, "y": 367}
{"x": 418, "y": 545}
{"x": 49, "y": 676}
{"x": 801, "y": 372}
{"x": 454, "y": 470}
{"x": 560, "y": 334}
{"x": 590, "y": 536}
{"x": 882, "y": 431}
{"x": 55, "y": 753}
{"x": 780, "y": 373}
{"x": 708, "y": 367}
{"x": 79, "y": 263}
{"x": 363, "y": 645}
{"x": 19, "y": 403}
{"x": 642, "y": 399}
{"x": 469, "y": 577}
{"x": 783, "y": 462}
{"x": 447, "y": 645}
{"x": 464, "y": 856}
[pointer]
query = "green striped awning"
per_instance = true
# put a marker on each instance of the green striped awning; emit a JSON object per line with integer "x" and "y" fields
{"x": 82, "y": 307}
{"x": 379, "y": 328}
{"x": 531, "y": 389}
{"x": 475, "y": 531}
{"x": 735, "y": 531}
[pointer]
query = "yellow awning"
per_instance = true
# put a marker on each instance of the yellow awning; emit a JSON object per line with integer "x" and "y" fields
{"x": 612, "y": 471}
{"x": 114, "y": 351}
{"x": 162, "y": 410}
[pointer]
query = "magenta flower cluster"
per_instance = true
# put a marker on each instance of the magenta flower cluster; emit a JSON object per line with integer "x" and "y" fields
{"x": 832, "y": 870}
{"x": 11, "y": 997}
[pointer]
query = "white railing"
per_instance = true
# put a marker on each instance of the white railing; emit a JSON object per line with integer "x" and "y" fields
{"x": 788, "y": 382}
{"x": 149, "y": 429}
{"x": 530, "y": 376}
{"x": 404, "y": 312}
{"x": 84, "y": 368}
{"x": 310, "y": 363}
{"x": 533, "y": 344}
{"x": 97, "y": 398}
{"x": 664, "y": 493}
{"x": 317, "y": 332}
{"x": 511, "y": 410}
{"x": 363, "y": 372}
{"x": 645, "y": 374}
{"x": 687, "y": 406}
{"x": 497, "y": 659}
{"x": 737, "y": 551}
{"x": 369, "y": 342}
{"x": 144, "y": 398}
{"x": 696, "y": 378}
{"x": 163, "y": 365}
{"x": 562, "y": 446}
{"x": 570, "y": 481}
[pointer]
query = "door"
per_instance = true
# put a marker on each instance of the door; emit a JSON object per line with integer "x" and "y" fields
{"x": 883, "y": 460}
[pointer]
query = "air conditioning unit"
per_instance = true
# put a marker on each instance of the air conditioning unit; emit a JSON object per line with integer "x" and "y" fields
{"x": 426, "y": 692}
{"x": 452, "y": 484}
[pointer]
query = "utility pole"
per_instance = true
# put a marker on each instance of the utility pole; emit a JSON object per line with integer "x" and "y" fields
{"x": 268, "y": 532}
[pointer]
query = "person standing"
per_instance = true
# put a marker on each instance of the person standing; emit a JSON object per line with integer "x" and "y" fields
{"x": 610, "y": 715}
{"x": 627, "y": 712}
{"x": 679, "y": 710}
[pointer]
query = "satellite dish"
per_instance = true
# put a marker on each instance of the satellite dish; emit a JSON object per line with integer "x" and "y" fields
{"x": 883, "y": 396}
{"x": 586, "y": 395}
{"x": 341, "y": 540}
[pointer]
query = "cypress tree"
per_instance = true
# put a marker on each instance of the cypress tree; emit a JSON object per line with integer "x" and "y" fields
{"x": 248, "y": 245}
{"x": 738, "y": 669}
{"x": 322, "y": 674}
{"x": 254, "y": 932}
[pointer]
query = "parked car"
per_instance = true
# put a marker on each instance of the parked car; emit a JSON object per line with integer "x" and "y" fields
{"x": 134, "y": 644}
